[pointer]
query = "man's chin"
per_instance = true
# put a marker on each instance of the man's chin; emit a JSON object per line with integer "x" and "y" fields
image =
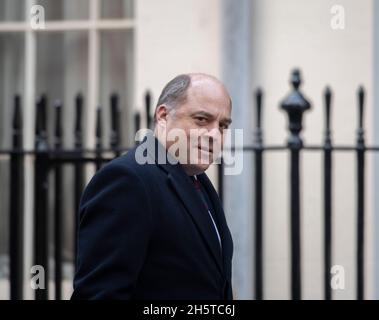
{"x": 193, "y": 169}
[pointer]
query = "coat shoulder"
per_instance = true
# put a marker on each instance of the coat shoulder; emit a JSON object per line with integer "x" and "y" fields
{"x": 129, "y": 163}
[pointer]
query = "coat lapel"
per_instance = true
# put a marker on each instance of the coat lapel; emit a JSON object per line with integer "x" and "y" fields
{"x": 186, "y": 192}
{"x": 183, "y": 187}
{"x": 226, "y": 238}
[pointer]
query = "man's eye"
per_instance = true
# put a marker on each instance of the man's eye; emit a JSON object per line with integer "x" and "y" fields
{"x": 201, "y": 119}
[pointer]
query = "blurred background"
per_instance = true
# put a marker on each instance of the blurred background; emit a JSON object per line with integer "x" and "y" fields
{"x": 125, "y": 48}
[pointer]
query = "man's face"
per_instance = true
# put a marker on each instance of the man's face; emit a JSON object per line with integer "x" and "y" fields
{"x": 203, "y": 118}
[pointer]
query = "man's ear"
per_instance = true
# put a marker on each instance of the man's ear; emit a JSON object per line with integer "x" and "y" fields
{"x": 161, "y": 114}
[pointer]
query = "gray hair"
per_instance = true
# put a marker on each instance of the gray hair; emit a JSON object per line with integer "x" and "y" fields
{"x": 174, "y": 93}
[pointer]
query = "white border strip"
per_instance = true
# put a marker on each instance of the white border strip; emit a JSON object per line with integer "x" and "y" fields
{"x": 376, "y": 142}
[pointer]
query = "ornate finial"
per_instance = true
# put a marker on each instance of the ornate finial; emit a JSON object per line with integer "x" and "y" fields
{"x": 148, "y": 108}
{"x": 99, "y": 127}
{"x": 295, "y": 104}
{"x": 328, "y": 99}
{"x": 58, "y": 118}
{"x": 258, "y": 99}
{"x": 17, "y": 113}
{"x": 361, "y": 101}
{"x": 296, "y": 79}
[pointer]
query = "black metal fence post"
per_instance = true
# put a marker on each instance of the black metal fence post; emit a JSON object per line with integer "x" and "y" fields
{"x": 360, "y": 197}
{"x": 58, "y": 203}
{"x": 295, "y": 104}
{"x": 258, "y": 199}
{"x": 41, "y": 193}
{"x": 115, "y": 123}
{"x": 16, "y": 221}
{"x": 78, "y": 166}
{"x": 148, "y": 110}
{"x": 137, "y": 125}
{"x": 327, "y": 198}
{"x": 99, "y": 138}
{"x": 137, "y": 121}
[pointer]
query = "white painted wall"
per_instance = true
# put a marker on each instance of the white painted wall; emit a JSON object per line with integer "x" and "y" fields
{"x": 173, "y": 37}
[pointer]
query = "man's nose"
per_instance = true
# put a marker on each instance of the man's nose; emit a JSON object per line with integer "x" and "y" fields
{"x": 213, "y": 136}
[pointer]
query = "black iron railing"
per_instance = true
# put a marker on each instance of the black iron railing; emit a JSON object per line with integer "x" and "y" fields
{"x": 50, "y": 161}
